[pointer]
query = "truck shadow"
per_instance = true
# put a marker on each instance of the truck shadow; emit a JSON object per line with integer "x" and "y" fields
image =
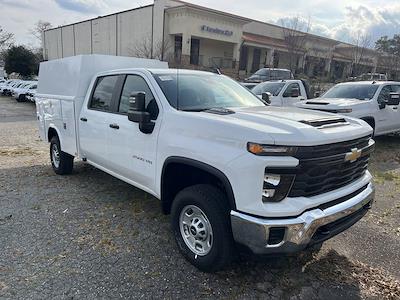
{"x": 107, "y": 218}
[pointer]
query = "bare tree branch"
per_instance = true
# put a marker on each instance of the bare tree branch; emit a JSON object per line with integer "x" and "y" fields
{"x": 39, "y": 28}
{"x": 144, "y": 49}
{"x": 295, "y": 33}
{"x": 6, "y": 38}
{"x": 361, "y": 43}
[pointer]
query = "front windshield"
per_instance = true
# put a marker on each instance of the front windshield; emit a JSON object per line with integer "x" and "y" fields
{"x": 271, "y": 87}
{"x": 262, "y": 72}
{"x": 352, "y": 91}
{"x": 204, "y": 91}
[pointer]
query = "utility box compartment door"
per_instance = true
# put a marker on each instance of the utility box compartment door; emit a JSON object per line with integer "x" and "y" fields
{"x": 68, "y": 127}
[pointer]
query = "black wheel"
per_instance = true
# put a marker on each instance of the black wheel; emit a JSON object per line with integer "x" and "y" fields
{"x": 201, "y": 225}
{"x": 20, "y": 98}
{"x": 62, "y": 162}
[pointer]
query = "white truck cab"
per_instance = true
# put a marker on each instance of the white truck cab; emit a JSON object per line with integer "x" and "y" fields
{"x": 376, "y": 102}
{"x": 229, "y": 169}
{"x": 281, "y": 92}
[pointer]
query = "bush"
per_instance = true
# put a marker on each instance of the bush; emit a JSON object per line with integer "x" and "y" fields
{"x": 20, "y": 60}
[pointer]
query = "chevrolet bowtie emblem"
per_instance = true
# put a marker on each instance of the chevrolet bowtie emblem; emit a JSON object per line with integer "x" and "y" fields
{"x": 353, "y": 155}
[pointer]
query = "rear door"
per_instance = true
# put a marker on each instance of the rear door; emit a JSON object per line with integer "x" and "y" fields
{"x": 94, "y": 121}
{"x": 132, "y": 152}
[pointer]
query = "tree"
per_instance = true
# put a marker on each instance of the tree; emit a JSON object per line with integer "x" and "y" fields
{"x": 389, "y": 45}
{"x": 40, "y": 27}
{"x": 361, "y": 42}
{"x": 295, "y": 33}
{"x": 6, "y": 38}
{"x": 146, "y": 49}
{"x": 20, "y": 60}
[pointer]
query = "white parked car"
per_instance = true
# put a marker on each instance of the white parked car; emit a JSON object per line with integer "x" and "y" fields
{"x": 6, "y": 89}
{"x": 30, "y": 95}
{"x": 376, "y": 102}
{"x": 281, "y": 92}
{"x": 20, "y": 92}
{"x": 229, "y": 169}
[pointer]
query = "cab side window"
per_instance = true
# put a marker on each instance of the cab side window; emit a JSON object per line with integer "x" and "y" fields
{"x": 134, "y": 84}
{"x": 396, "y": 89}
{"x": 384, "y": 94}
{"x": 103, "y": 93}
{"x": 288, "y": 91}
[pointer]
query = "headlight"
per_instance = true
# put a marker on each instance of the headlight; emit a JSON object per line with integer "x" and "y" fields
{"x": 344, "y": 111}
{"x": 259, "y": 149}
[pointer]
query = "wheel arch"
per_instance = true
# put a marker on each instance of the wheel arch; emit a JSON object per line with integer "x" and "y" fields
{"x": 171, "y": 186}
{"x": 370, "y": 120}
{"x": 51, "y": 132}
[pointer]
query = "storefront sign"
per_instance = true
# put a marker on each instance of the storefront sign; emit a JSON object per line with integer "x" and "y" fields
{"x": 216, "y": 30}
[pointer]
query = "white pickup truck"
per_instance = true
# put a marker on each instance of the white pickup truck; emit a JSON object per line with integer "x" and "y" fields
{"x": 229, "y": 169}
{"x": 375, "y": 102}
{"x": 281, "y": 92}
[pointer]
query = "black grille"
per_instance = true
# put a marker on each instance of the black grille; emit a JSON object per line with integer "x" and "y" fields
{"x": 323, "y": 168}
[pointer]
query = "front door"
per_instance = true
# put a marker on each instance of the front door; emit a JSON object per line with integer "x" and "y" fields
{"x": 195, "y": 52}
{"x": 131, "y": 152}
{"x": 388, "y": 118}
{"x": 256, "y": 60}
{"x": 94, "y": 123}
{"x": 287, "y": 98}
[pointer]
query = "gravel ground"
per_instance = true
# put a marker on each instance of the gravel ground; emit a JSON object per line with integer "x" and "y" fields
{"x": 90, "y": 235}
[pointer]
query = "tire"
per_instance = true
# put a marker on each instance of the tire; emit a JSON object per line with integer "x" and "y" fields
{"x": 62, "y": 162}
{"x": 20, "y": 98}
{"x": 213, "y": 209}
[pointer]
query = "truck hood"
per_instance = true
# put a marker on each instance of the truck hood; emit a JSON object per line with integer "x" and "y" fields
{"x": 330, "y": 103}
{"x": 290, "y": 126}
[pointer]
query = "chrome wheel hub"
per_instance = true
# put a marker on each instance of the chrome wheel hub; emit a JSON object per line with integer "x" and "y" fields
{"x": 196, "y": 230}
{"x": 55, "y": 155}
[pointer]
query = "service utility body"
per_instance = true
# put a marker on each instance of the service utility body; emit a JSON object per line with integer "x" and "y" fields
{"x": 233, "y": 172}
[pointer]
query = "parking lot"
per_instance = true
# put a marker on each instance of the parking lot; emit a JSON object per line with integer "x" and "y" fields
{"x": 90, "y": 235}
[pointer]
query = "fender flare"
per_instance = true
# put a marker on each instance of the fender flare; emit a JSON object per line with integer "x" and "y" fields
{"x": 204, "y": 167}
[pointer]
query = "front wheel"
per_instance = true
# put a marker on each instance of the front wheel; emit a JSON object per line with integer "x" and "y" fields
{"x": 201, "y": 225}
{"x": 61, "y": 162}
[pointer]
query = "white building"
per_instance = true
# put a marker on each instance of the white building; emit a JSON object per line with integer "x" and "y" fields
{"x": 193, "y": 36}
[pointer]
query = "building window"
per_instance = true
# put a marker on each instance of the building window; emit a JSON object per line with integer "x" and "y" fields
{"x": 178, "y": 48}
{"x": 194, "y": 52}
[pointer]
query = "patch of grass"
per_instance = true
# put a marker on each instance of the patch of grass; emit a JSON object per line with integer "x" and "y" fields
{"x": 381, "y": 177}
{"x": 21, "y": 151}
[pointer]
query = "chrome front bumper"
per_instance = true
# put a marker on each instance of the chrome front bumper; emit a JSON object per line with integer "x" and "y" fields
{"x": 311, "y": 227}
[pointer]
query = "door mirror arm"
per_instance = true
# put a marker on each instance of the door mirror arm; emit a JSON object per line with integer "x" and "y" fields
{"x": 137, "y": 112}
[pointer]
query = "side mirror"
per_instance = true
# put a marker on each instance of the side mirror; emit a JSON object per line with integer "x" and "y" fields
{"x": 317, "y": 94}
{"x": 394, "y": 99}
{"x": 294, "y": 93}
{"x": 266, "y": 97}
{"x": 137, "y": 112}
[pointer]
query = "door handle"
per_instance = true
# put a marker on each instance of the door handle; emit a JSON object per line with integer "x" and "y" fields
{"x": 83, "y": 119}
{"x": 114, "y": 126}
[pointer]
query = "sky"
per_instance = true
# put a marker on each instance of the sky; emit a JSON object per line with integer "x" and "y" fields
{"x": 338, "y": 19}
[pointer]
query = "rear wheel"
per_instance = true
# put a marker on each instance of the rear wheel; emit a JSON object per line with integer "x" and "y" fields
{"x": 21, "y": 98}
{"x": 201, "y": 225}
{"x": 61, "y": 162}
